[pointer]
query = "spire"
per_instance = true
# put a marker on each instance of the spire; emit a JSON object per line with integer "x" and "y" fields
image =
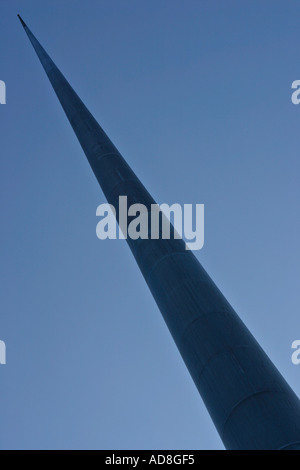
{"x": 250, "y": 403}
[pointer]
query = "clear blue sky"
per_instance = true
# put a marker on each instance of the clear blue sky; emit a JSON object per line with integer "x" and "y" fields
{"x": 196, "y": 95}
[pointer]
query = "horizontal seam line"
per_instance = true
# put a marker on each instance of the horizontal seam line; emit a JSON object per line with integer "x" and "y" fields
{"x": 164, "y": 257}
{"x": 289, "y": 445}
{"x": 262, "y": 392}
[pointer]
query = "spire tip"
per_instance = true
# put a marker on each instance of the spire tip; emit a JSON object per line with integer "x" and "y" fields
{"x": 22, "y": 22}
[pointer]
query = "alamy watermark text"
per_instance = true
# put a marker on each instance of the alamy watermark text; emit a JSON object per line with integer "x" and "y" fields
{"x": 2, "y": 353}
{"x": 138, "y": 221}
{"x": 296, "y": 353}
{"x": 2, "y": 92}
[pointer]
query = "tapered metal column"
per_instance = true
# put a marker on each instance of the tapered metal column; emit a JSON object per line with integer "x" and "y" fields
{"x": 249, "y": 401}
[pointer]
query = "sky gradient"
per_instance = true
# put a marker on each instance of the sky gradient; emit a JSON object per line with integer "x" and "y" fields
{"x": 196, "y": 95}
